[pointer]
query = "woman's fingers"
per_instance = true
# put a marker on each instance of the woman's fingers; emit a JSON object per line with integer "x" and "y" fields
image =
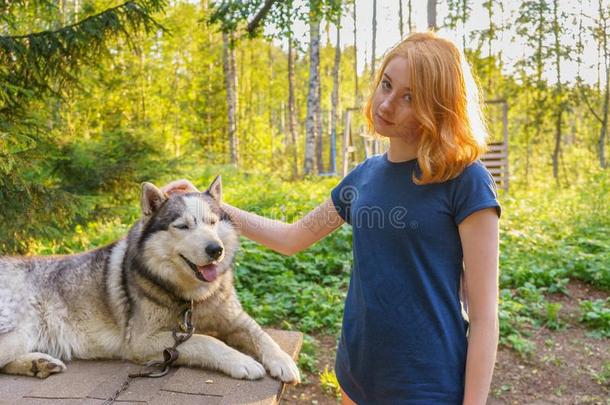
{"x": 179, "y": 186}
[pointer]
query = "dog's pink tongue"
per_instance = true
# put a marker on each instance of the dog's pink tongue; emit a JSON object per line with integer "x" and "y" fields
{"x": 209, "y": 272}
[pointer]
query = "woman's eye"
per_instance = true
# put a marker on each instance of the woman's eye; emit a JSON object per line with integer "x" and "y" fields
{"x": 385, "y": 85}
{"x": 181, "y": 226}
{"x": 408, "y": 98}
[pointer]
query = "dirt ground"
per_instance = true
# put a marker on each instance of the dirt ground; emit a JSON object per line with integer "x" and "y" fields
{"x": 565, "y": 367}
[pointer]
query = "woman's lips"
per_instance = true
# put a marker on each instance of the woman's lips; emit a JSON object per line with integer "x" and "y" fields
{"x": 383, "y": 120}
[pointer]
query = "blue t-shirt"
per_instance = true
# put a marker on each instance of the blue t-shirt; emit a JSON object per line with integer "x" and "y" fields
{"x": 403, "y": 339}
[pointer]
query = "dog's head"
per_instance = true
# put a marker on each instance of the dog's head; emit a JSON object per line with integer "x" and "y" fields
{"x": 186, "y": 239}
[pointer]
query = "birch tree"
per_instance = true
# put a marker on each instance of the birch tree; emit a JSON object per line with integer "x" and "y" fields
{"x": 432, "y": 15}
{"x": 533, "y": 25}
{"x": 559, "y": 97}
{"x": 355, "y": 54}
{"x": 313, "y": 100}
{"x": 600, "y": 30}
{"x": 335, "y": 99}
{"x": 230, "y": 73}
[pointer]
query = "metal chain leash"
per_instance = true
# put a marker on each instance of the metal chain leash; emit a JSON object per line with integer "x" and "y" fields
{"x": 181, "y": 333}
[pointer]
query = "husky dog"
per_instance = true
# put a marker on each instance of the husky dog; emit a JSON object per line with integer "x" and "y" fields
{"x": 123, "y": 300}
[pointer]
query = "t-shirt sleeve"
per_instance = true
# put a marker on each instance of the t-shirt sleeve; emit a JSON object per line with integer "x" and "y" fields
{"x": 345, "y": 193}
{"x": 475, "y": 189}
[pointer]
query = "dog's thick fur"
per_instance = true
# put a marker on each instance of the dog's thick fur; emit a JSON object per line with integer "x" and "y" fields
{"x": 122, "y": 301}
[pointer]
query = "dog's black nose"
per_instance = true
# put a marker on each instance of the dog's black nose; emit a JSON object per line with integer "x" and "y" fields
{"x": 214, "y": 250}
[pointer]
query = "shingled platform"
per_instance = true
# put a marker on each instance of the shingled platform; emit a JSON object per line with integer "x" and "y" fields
{"x": 92, "y": 382}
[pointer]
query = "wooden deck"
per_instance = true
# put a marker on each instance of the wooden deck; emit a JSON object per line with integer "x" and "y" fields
{"x": 92, "y": 382}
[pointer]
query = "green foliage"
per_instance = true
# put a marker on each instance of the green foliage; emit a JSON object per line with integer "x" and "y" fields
{"x": 44, "y": 62}
{"x": 596, "y": 314}
{"x": 231, "y": 15}
{"x": 40, "y": 62}
{"x": 329, "y": 383}
{"x": 549, "y": 235}
{"x": 307, "y": 359}
{"x": 107, "y": 164}
{"x": 553, "y": 320}
{"x": 298, "y": 292}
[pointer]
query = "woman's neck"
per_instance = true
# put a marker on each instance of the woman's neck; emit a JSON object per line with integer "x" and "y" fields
{"x": 400, "y": 151}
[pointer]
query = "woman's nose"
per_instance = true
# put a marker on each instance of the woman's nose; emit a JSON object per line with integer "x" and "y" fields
{"x": 386, "y": 105}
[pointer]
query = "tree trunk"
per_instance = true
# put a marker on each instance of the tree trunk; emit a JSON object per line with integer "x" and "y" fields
{"x": 318, "y": 125}
{"x": 376, "y": 143}
{"x": 335, "y": 102}
{"x": 432, "y": 15}
{"x": 603, "y": 132}
{"x": 292, "y": 117}
{"x": 374, "y": 39}
{"x": 539, "y": 98}
{"x": 400, "y": 22}
{"x": 489, "y": 5}
{"x": 464, "y": 8}
{"x": 410, "y": 7}
{"x": 313, "y": 101}
{"x": 270, "y": 110}
{"x": 319, "y": 122}
{"x": 528, "y": 145}
{"x": 559, "y": 94}
{"x": 230, "y": 71}
{"x": 355, "y": 58}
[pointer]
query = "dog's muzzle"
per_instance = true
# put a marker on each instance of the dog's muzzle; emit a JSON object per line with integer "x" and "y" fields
{"x": 207, "y": 273}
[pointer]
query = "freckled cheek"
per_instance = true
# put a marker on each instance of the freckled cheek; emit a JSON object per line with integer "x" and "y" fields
{"x": 409, "y": 122}
{"x": 377, "y": 100}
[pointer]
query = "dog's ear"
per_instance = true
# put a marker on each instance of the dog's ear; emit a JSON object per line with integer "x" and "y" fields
{"x": 151, "y": 199}
{"x": 215, "y": 189}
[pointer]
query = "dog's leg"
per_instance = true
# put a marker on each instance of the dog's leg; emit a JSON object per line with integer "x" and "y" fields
{"x": 200, "y": 351}
{"x": 246, "y": 334}
{"x": 12, "y": 345}
{"x": 16, "y": 359}
{"x": 39, "y": 365}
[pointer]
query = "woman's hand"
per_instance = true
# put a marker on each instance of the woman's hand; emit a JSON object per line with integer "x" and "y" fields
{"x": 179, "y": 186}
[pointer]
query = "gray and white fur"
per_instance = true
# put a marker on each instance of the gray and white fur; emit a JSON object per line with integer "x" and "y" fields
{"x": 121, "y": 301}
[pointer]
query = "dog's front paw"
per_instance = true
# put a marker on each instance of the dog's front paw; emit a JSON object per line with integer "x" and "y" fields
{"x": 281, "y": 366}
{"x": 39, "y": 365}
{"x": 243, "y": 367}
{"x": 44, "y": 367}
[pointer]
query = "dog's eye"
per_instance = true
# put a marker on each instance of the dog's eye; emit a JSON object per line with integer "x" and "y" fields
{"x": 181, "y": 226}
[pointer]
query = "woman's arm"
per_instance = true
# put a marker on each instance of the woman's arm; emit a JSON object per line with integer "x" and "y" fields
{"x": 287, "y": 238}
{"x": 280, "y": 236}
{"x": 480, "y": 237}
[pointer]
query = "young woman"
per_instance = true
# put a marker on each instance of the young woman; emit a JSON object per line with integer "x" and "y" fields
{"x": 424, "y": 216}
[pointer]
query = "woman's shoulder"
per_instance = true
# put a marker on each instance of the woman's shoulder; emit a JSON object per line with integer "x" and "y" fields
{"x": 475, "y": 171}
{"x": 368, "y": 163}
{"x": 373, "y": 160}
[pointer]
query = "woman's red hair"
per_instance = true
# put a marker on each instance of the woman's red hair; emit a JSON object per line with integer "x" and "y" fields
{"x": 446, "y": 104}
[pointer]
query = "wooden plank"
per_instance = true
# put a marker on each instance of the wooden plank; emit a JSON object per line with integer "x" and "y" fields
{"x": 495, "y": 155}
{"x": 495, "y": 163}
{"x": 496, "y": 171}
{"x": 494, "y": 147}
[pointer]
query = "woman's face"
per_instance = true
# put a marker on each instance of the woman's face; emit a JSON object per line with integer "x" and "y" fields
{"x": 393, "y": 114}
